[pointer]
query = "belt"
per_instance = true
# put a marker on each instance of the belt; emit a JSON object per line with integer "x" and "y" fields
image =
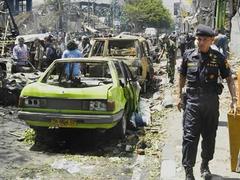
{"x": 201, "y": 90}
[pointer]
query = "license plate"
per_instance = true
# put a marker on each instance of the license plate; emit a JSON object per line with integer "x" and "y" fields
{"x": 62, "y": 123}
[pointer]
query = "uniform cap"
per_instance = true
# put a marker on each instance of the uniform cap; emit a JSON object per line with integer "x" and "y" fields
{"x": 203, "y": 30}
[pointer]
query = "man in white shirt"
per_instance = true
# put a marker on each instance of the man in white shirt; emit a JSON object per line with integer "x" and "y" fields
{"x": 20, "y": 52}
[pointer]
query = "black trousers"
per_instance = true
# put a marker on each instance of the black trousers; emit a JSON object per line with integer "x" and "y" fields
{"x": 200, "y": 118}
{"x": 182, "y": 49}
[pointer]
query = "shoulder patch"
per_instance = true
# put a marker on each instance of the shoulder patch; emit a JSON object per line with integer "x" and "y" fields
{"x": 188, "y": 52}
{"x": 227, "y": 64}
{"x": 192, "y": 64}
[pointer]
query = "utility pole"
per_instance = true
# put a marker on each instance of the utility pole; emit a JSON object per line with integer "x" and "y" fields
{"x": 113, "y": 12}
{"x": 88, "y": 15}
{"x": 181, "y": 18}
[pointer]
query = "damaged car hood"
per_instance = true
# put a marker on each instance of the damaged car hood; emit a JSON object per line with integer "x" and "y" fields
{"x": 44, "y": 90}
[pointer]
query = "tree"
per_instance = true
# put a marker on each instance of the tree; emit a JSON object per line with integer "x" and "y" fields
{"x": 150, "y": 13}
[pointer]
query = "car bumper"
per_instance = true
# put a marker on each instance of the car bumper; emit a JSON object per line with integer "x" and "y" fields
{"x": 57, "y": 120}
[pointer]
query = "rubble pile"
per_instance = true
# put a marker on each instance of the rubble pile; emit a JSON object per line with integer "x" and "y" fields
{"x": 12, "y": 86}
{"x": 47, "y": 18}
{"x": 36, "y": 22}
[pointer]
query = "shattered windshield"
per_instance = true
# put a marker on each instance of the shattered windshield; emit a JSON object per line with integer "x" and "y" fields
{"x": 91, "y": 74}
{"x": 122, "y": 48}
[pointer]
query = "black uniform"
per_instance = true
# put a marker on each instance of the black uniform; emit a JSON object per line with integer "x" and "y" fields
{"x": 202, "y": 105}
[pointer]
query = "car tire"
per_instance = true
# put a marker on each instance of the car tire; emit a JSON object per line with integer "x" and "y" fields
{"x": 119, "y": 131}
{"x": 43, "y": 135}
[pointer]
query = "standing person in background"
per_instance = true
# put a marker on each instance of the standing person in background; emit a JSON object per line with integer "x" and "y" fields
{"x": 72, "y": 70}
{"x": 39, "y": 53}
{"x": 182, "y": 43}
{"x": 20, "y": 53}
{"x": 50, "y": 51}
{"x": 170, "y": 49}
{"x": 221, "y": 41}
{"x": 190, "y": 41}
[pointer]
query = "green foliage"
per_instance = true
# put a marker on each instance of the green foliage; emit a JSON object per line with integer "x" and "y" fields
{"x": 150, "y": 13}
{"x": 29, "y": 136}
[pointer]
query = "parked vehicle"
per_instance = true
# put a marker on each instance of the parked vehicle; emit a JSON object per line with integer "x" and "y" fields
{"x": 133, "y": 50}
{"x": 104, "y": 97}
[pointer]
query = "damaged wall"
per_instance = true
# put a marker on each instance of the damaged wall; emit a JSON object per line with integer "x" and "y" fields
{"x": 47, "y": 17}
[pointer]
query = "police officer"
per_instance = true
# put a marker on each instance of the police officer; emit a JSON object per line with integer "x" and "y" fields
{"x": 200, "y": 70}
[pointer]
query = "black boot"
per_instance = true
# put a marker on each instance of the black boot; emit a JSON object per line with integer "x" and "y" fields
{"x": 189, "y": 173}
{"x": 204, "y": 169}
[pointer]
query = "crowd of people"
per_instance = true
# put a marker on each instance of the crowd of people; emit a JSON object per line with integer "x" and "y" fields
{"x": 42, "y": 52}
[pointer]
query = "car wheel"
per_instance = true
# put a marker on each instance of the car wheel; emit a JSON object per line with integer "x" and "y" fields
{"x": 43, "y": 135}
{"x": 119, "y": 131}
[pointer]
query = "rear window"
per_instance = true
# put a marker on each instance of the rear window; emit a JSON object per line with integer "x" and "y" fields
{"x": 122, "y": 48}
{"x": 91, "y": 74}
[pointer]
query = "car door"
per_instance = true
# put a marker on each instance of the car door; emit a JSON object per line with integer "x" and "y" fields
{"x": 124, "y": 83}
{"x": 132, "y": 86}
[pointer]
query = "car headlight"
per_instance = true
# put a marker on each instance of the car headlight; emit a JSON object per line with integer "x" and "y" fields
{"x": 31, "y": 102}
{"x": 97, "y": 106}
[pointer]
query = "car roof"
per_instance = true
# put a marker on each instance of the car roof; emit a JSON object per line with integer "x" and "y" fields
{"x": 94, "y": 59}
{"x": 122, "y": 37}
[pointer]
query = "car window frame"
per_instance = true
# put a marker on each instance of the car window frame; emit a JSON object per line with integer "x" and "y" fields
{"x": 127, "y": 72}
{"x": 117, "y": 63}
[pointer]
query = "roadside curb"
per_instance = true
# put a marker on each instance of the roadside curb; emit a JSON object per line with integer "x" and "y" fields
{"x": 168, "y": 164}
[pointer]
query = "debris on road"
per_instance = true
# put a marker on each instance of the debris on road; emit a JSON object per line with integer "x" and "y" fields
{"x": 70, "y": 166}
{"x": 145, "y": 111}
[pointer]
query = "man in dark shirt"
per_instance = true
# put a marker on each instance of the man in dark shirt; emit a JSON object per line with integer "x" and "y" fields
{"x": 200, "y": 70}
{"x": 221, "y": 41}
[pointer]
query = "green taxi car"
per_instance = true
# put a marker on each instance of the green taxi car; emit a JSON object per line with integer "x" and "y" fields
{"x": 103, "y": 97}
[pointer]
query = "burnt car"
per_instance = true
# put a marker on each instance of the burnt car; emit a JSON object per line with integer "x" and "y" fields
{"x": 103, "y": 97}
{"x": 12, "y": 80}
{"x": 133, "y": 50}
